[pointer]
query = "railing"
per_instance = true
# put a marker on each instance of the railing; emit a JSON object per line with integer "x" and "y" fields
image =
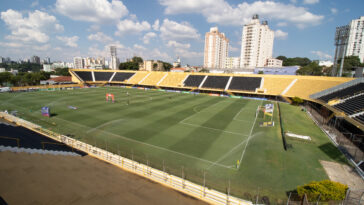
{"x": 336, "y": 88}
{"x": 177, "y": 183}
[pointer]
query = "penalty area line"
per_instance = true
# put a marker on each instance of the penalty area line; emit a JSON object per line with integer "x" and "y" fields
{"x": 143, "y": 143}
{"x": 250, "y": 135}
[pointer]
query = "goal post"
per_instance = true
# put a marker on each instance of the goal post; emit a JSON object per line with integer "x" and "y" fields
{"x": 110, "y": 96}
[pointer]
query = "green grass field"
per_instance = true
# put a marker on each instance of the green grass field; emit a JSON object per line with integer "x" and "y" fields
{"x": 176, "y": 132}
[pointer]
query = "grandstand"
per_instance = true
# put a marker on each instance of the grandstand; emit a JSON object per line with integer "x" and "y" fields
{"x": 251, "y": 84}
{"x": 197, "y": 132}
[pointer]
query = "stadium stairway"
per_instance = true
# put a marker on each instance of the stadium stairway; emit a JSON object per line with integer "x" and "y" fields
{"x": 153, "y": 78}
{"x": 174, "y": 79}
{"x": 135, "y": 79}
{"x": 36, "y": 151}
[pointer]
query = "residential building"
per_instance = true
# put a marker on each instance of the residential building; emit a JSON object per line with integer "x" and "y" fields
{"x": 349, "y": 40}
{"x": 151, "y": 65}
{"x": 78, "y": 63}
{"x": 326, "y": 63}
{"x": 47, "y": 68}
{"x": 232, "y": 62}
{"x": 35, "y": 59}
{"x": 216, "y": 49}
{"x": 114, "y": 59}
{"x": 47, "y": 60}
{"x": 257, "y": 44}
{"x": 177, "y": 63}
{"x": 273, "y": 62}
{"x": 2, "y": 60}
{"x": 2, "y": 70}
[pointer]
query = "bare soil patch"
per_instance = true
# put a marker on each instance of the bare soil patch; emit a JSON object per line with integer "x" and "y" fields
{"x": 49, "y": 179}
{"x": 344, "y": 174}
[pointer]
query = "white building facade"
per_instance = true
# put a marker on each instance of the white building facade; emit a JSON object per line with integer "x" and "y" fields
{"x": 216, "y": 49}
{"x": 114, "y": 59}
{"x": 232, "y": 62}
{"x": 273, "y": 62}
{"x": 355, "y": 39}
{"x": 257, "y": 44}
{"x": 78, "y": 63}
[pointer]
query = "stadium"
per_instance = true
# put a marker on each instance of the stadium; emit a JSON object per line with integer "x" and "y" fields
{"x": 237, "y": 134}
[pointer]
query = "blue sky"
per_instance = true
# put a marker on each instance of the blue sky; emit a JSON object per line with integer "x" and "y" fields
{"x": 165, "y": 29}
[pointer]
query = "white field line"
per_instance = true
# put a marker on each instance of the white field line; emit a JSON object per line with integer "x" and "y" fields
{"x": 227, "y": 154}
{"x": 250, "y": 134}
{"x": 143, "y": 143}
{"x": 103, "y": 125}
{"x": 199, "y": 111}
{"x": 210, "y": 128}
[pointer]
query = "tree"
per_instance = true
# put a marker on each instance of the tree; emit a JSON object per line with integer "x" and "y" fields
{"x": 129, "y": 66}
{"x": 294, "y": 61}
{"x": 327, "y": 190}
{"x": 62, "y": 72}
{"x": 167, "y": 66}
{"x": 311, "y": 69}
{"x": 297, "y": 101}
{"x": 155, "y": 66}
{"x": 5, "y": 78}
{"x": 282, "y": 58}
{"x": 137, "y": 59}
{"x": 261, "y": 72}
{"x": 349, "y": 63}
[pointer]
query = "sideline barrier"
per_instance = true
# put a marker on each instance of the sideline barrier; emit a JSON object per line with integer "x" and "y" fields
{"x": 177, "y": 183}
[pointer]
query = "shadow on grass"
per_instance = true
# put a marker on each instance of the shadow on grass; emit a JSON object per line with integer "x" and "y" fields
{"x": 333, "y": 152}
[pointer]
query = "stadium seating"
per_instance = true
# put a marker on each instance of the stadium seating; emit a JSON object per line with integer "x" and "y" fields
{"x": 153, "y": 78}
{"x": 216, "y": 82}
{"x": 275, "y": 86}
{"x": 103, "y": 76}
{"x": 303, "y": 88}
{"x": 245, "y": 83}
{"x": 194, "y": 80}
{"x": 84, "y": 75}
{"x": 346, "y": 92}
{"x": 121, "y": 77}
{"x": 137, "y": 77}
{"x": 360, "y": 118}
{"x": 352, "y": 105}
{"x": 174, "y": 79}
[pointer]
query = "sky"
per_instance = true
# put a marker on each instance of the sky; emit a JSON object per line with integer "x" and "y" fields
{"x": 166, "y": 29}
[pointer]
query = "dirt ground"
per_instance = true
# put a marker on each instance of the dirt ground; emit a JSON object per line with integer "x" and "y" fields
{"x": 344, "y": 174}
{"x": 49, "y": 179}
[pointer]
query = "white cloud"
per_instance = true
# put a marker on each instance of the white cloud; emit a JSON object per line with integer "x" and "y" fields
{"x": 97, "y": 11}
{"x": 94, "y": 27}
{"x": 233, "y": 49}
{"x": 171, "y": 30}
{"x": 33, "y": 29}
{"x": 293, "y": 1}
{"x": 139, "y": 47}
{"x": 69, "y": 41}
{"x": 42, "y": 48}
{"x": 282, "y": 24}
{"x": 311, "y": 1}
{"x": 35, "y": 3}
{"x": 333, "y": 10}
{"x": 132, "y": 27}
{"x": 221, "y": 12}
{"x": 322, "y": 55}
{"x": 149, "y": 36}
{"x": 99, "y": 36}
{"x": 175, "y": 44}
{"x": 156, "y": 25}
{"x": 279, "y": 34}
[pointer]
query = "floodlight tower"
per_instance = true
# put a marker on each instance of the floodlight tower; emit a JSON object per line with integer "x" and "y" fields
{"x": 341, "y": 43}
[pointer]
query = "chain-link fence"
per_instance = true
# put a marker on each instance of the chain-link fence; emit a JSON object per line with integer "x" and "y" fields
{"x": 351, "y": 144}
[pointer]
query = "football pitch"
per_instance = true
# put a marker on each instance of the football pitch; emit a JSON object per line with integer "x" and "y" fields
{"x": 209, "y": 140}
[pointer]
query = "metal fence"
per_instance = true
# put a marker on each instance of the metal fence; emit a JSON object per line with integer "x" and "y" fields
{"x": 177, "y": 183}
